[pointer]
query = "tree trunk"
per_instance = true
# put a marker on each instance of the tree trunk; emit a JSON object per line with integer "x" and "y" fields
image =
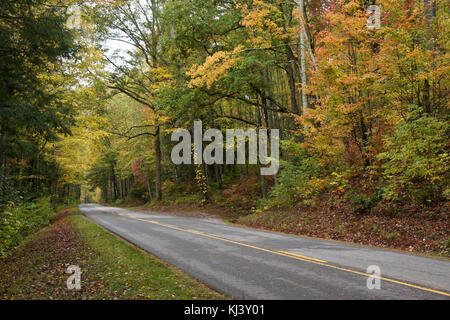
{"x": 217, "y": 174}
{"x": 114, "y": 184}
{"x": 2, "y": 158}
{"x": 149, "y": 190}
{"x": 263, "y": 185}
{"x": 303, "y": 71}
{"x": 158, "y": 165}
{"x": 292, "y": 86}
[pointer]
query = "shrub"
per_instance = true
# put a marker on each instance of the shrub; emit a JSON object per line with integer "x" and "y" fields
{"x": 138, "y": 191}
{"x": 362, "y": 202}
{"x": 18, "y": 221}
{"x": 298, "y": 180}
{"x": 416, "y": 163}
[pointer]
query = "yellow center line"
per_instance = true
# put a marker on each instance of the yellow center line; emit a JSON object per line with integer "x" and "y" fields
{"x": 194, "y": 231}
{"x": 285, "y": 254}
{"x": 301, "y": 256}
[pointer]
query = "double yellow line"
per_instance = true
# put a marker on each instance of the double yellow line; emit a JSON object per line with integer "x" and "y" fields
{"x": 281, "y": 253}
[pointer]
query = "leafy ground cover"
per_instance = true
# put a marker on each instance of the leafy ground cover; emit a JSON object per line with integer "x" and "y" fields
{"x": 427, "y": 232}
{"x": 111, "y": 268}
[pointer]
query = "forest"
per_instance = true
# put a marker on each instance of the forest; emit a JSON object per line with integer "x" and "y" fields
{"x": 91, "y": 92}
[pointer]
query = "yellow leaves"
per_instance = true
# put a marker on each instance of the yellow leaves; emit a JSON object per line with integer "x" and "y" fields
{"x": 163, "y": 119}
{"x": 265, "y": 26}
{"x": 256, "y": 16}
{"x": 75, "y": 153}
{"x": 214, "y": 68}
{"x": 351, "y": 7}
{"x": 161, "y": 78}
{"x": 311, "y": 187}
{"x": 260, "y": 22}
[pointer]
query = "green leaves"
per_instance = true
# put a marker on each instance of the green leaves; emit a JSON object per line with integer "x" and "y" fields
{"x": 34, "y": 87}
{"x": 18, "y": 221}
{"x": 417, "y": 159}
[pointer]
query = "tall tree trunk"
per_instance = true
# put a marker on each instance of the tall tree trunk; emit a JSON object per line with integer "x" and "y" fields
{"x": 291, "y": 79}
{"x": 158, "y": 164}
{"x": 217, "y": 174}
{"x": 114, "y": 183}
{"x": 430, "y": 14}
{"x": 149, "y": 188}
{"x": 2, "y": 157}
{"x": 303, "y": 68}
{"x": 305, "y": 47}
{"x": 304, "y": 28}
{"x": 263, "y": 184}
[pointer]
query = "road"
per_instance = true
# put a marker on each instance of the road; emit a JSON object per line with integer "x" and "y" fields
{"x": 252, "y": 264}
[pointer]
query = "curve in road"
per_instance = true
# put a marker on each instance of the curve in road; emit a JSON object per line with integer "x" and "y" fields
{"x": 252, "y": 264}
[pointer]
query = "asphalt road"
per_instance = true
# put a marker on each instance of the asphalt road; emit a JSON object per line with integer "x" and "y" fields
{"x": 251, "y": 264}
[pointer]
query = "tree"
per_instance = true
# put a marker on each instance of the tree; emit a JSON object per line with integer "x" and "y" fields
{"x": 138, "y": 25}
{"x": 33, "y": 109}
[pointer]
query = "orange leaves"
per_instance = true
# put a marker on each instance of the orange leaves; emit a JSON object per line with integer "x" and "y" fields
{"x": 366, "y": 77}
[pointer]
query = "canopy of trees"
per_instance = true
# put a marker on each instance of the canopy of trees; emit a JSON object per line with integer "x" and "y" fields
{"x": 362, "y": 112}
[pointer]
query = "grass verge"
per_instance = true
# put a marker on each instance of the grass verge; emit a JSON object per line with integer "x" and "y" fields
{"x": 111, "y": 268}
